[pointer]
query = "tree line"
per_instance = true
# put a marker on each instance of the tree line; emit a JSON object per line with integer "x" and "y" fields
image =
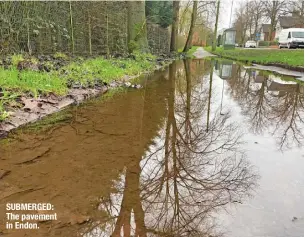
{"x": 250, "y": 15}
{"x": 104, "y": 27}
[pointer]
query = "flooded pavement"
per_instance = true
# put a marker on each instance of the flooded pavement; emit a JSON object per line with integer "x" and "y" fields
{"x": 206, "y": 148}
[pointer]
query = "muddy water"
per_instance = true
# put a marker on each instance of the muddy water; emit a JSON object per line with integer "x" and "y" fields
{"x": 205, "y": 148}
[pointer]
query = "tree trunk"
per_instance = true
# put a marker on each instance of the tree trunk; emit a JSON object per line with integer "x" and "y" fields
{"x": 28, "y": 29}
{"x": 174, "y": 35}
{"x": 89, "y": 34}
{"x": 188, "y": 43}
{"x": 210, "y": 95}
{"x": 271, "y": 29}
{"x": 71, "y": 25}
{"x": 216, "y": 23}
{"x": 137, "y": 32}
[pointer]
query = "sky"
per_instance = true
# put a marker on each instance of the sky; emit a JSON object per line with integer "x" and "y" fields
{"x": 225, "y": 11}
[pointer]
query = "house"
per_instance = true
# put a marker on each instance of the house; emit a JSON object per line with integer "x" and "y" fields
{"x": 266, "y": 32}
{"x": 285, "y": 22}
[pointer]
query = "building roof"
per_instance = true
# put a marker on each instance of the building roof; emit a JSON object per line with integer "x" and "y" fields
{"x": 266, "y": 27}
{"x": 289, "y": 21}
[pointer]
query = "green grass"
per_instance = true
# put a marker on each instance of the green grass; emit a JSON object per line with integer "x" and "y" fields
{"x": 85, "y": 72}
{"x": 6, "y": 98}
{"x": 31, "y": 81}
{"x": 189, "y": 53}
{"x": 16, "y": 58}
{"x": 100, "y": 69}
{"x": 60, "y": 55}
{"x": 264, "y": 56}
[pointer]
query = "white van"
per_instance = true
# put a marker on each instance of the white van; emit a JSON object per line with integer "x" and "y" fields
{"x": 291, "y": 38}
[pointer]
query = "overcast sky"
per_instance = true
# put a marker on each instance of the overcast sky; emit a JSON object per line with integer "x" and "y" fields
{"x": 225, "y": 11}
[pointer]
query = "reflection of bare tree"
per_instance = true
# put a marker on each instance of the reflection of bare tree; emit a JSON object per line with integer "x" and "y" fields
{"x": 131, "y": 203}
{"x": 282, "y": 115}
{"x": 288, "y": 118}
{"x": 186, "y": 175}
{"x": 199, "y": 173}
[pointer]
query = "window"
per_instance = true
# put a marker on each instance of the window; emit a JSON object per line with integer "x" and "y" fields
{"x": 298, "y": 34}
{"x": 289, "y": 36}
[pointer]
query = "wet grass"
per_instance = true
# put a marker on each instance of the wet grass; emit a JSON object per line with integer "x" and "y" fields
{"x": 7, "y": 97}
{"x": 282, "y": 77}
{"x": 189, "y": 53}
{"x": 264, "y": 56}
{"x": 83, "y": 72}
{"x": 100, "y": 69}
{"x": 31, "y": 81}
{"x": 16, "y": 58}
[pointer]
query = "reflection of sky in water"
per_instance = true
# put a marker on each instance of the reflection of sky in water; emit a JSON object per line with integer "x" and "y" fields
{"x": 279, "y": 196}
{"x": 226, "y": 70}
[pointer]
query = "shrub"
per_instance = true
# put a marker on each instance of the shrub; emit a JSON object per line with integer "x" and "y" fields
{"x": 267, "y": 43}
{"x": 263, "y": 43}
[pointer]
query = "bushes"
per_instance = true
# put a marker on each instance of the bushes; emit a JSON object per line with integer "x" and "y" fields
{"x": 267, "y": 43}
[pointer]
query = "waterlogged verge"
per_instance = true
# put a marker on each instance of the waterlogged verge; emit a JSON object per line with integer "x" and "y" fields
{"x": 31, "y": 88}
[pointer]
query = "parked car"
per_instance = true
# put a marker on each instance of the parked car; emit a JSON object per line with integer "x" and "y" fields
{"x": 250, "y": 44}
{"x": 236, "y": 45}
{"x": 291, "y": 38}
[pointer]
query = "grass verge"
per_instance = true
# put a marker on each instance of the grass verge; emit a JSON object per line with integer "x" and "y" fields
{"x": 292, "y": 58}
{"x": 189, "y": 53}
{"x": 14, "y": 83}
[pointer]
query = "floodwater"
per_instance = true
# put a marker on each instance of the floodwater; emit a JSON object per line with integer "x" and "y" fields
{"x": 206, "y": 148}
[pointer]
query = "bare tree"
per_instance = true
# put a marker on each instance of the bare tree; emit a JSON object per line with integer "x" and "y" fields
{"x": 188, "y": 43}
{"x": 242, "y": 21}
{"x": 216, "y": 25}
{"x": 257, "y": 14}
{"x": 272, "y": 10}
{"x": 296, "y": 7}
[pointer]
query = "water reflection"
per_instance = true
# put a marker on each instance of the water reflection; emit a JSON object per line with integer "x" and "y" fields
{"x": 271, "y": 105}
{"x": 195, "y": 167}
{"x": 160, "y": 161}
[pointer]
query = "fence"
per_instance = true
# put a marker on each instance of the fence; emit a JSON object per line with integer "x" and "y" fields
{"x": 83, "y": 28}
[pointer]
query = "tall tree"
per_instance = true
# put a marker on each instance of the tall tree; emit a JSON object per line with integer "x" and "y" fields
{"x": 137, "y": 32}
{"x": 257, "y": 12}
{"x": 72, "y": 28}
{"x": 296, "y": 7}
{"x": 272, "y": 10}
{"x": 174, "y": 35}
{"x": 159, "y": 12}
{"x": 188, "y": 43}
{"x": 216, "y": 24}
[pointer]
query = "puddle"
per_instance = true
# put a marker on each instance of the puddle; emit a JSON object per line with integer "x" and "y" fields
{"x": 190, "y": 154}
